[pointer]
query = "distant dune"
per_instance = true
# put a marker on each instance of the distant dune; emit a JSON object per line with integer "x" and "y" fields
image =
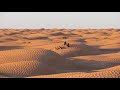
{"x": 59, "y": 53}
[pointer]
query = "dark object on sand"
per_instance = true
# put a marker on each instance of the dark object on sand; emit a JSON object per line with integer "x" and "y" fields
{"x": 60, "y": 47}
{"x": 29, "y": 42}
{"x": 65, "y": 43}
{"x": 64, "y": 37}
{"x": 68, "y": 45}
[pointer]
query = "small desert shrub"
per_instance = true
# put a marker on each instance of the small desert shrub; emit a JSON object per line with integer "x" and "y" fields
{"x": 105, "y": 37}
{"x": 59, "y": 47}
{"x": 80, "y": 35}
{"x": 26, "y": 42}
{"x": 29, "y": 42}
{"x": 64, "y": 37}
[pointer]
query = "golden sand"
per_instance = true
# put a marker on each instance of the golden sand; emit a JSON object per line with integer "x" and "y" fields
{"x": 43, "y": 53}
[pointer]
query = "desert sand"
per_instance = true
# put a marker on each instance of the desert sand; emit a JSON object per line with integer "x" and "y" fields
{"x": 59, "y": 53}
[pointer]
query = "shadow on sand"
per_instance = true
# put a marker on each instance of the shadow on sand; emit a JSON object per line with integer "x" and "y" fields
{"x": 86, "y": 66}
{"x": 104, "y": 51}
{"x": 3, "y": 48}
{"x": 108, "y": 51}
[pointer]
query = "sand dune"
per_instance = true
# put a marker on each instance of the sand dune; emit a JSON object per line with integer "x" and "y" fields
{"x": 96, "y": 62}
{"x": 75, "y": 49}
{"x": 111, "y": 46}
{"x": 117, "y": 68}
{"x": 103, "y": 74}
{"x": 43, "y": 53}
{"x": 27, "y": 62}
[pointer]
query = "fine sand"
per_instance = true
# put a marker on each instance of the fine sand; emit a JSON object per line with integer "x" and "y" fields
{"x": 59, "y": 53}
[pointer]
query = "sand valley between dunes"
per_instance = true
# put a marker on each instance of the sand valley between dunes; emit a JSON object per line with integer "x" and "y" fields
{"x": 59, "y": 53}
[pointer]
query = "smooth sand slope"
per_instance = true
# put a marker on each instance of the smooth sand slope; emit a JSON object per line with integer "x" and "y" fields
{"x": 59, "y": 53}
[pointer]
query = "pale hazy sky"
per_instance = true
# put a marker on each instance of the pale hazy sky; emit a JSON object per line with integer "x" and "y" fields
{"x": 59, "y": 20}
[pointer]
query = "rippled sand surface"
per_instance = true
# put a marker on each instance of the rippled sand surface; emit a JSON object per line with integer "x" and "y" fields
{"x": 59, "y": 53}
